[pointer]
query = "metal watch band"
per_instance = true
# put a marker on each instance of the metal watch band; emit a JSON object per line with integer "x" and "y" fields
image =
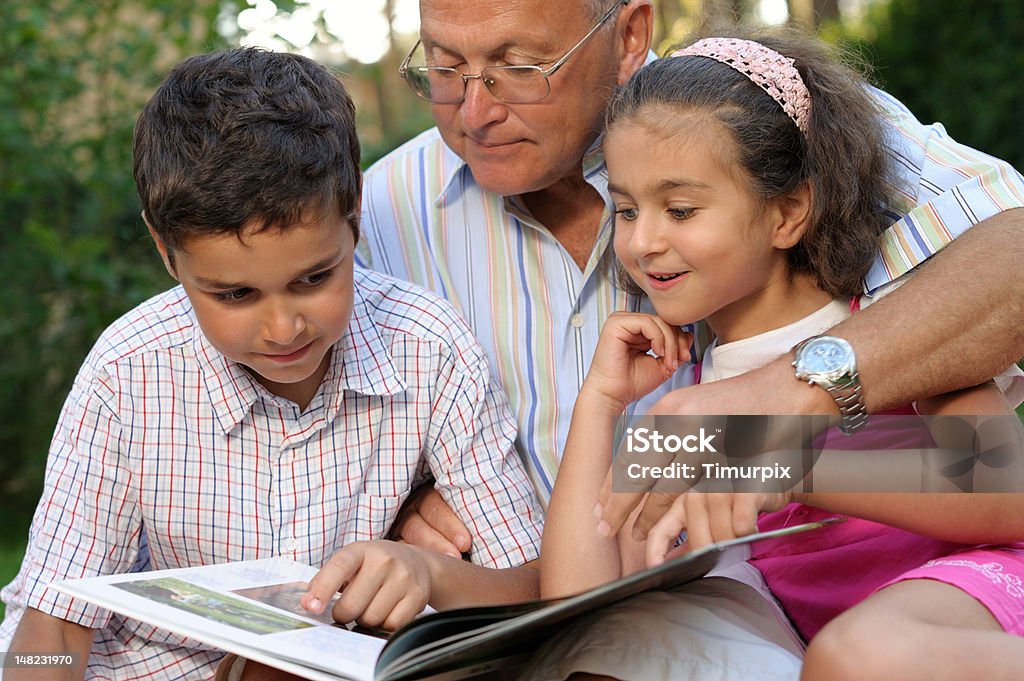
{"x": 852, "y": 409}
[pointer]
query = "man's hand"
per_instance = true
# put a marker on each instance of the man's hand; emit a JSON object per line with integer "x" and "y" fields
{"x": 425, "y": 520}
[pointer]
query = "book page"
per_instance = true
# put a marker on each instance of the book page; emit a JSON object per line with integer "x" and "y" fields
{"x": 250, "y": 608}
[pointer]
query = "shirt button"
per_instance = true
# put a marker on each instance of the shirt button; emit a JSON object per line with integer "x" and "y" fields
{"x": 291, "y": 545}
{"x": 576, "y": 320}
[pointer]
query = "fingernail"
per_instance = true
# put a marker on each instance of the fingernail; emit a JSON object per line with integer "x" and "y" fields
{"x": 462, "y": 541}
{"x": 598, "y": 511}
{"x": 315, "y": 605}
{"x": 604, "y": 529}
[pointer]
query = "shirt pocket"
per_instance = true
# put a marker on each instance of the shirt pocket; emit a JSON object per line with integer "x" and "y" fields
{"x": 370, "y": 516}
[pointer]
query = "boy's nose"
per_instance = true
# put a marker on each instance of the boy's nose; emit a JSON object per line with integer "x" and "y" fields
{"x": 283, "y": 324}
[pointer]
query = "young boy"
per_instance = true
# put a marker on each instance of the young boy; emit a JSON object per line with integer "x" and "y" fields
{"x": 278, "y": 402}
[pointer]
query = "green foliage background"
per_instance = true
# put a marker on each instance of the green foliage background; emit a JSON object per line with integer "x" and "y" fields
{"x": 73, "y": 75}
{"x": 957, "y": 62}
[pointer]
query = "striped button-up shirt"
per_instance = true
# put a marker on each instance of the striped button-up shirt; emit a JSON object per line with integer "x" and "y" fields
{"x": 539, "y": 316}
{"x": 165, "y": 442}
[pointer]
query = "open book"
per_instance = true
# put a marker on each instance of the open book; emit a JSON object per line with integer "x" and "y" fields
{"x": 252, "y": 608}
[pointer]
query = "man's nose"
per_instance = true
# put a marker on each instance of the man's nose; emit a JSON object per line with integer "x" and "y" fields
{"x": 480, "y": 108}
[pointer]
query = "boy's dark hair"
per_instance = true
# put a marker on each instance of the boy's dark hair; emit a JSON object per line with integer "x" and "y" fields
{"x": 843, "y": 156}
{"x": 245, "y": 134}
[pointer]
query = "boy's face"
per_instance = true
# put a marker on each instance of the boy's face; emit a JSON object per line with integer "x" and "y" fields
{"x": 274, "y": 301}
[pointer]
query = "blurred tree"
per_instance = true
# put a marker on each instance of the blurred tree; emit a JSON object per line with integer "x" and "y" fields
{"x": 813, "y": 14}
{"x": 956, "y": 62}
{"x": 73, "y": 253}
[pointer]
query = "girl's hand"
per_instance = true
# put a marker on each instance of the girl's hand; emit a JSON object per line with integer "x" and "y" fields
{"x": 622, "y": 370}
{"x": 383, "y": 584}
{"x": 708, "y": 517}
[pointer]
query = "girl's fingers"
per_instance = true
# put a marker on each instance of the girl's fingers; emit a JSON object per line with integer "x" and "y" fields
{"x": 720, "y": 516}
{"x": 698, "y": 521}
{"x": 661, "y": 538}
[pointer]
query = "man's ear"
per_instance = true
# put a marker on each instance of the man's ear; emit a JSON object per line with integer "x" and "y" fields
{"x": 161, "y": 247}
{"x": 635, "y": 26}
{"x": 792, "y": 216}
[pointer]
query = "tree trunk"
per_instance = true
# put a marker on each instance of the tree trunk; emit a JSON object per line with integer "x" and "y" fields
{"x": 813, "y": 13}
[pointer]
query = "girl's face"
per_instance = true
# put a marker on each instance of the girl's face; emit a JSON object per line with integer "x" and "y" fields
{"x": 688, "y": 228}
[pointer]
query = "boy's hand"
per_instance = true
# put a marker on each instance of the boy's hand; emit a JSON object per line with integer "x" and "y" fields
{"x": 383, "y": 584}
{"x": 622, "y": 370}
{"x": 425, "y": 520}
{"x": 708, "y": 517}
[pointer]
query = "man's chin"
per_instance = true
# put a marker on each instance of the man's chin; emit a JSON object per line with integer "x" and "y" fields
{"x": 504, "y": 180}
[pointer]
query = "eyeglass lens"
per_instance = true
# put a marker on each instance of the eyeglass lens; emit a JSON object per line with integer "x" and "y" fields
{"x": 513, "y": 84}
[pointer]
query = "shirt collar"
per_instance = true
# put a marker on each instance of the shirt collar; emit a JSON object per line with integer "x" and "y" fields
{"x": 361, "y": 363}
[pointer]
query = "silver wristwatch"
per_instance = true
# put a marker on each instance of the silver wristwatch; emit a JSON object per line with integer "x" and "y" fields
{"x": 829, "y": 362}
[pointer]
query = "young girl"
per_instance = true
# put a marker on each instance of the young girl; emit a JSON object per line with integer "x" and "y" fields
{"x": 748, "y": 179}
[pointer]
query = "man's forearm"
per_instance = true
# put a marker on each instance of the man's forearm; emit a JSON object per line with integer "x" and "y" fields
{"x": 955, "y": 324}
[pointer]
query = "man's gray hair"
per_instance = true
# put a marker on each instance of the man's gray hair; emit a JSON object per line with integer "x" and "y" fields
{"x": 597, "y": 8}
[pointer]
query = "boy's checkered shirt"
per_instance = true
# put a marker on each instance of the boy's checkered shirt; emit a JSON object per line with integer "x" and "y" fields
{"x": 169, "y": 455}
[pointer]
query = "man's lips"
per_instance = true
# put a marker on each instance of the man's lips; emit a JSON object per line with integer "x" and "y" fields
{"x": 488, "y": 145}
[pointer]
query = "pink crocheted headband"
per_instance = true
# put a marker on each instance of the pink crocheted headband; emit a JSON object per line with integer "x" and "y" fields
{"x": 769, "y": 70}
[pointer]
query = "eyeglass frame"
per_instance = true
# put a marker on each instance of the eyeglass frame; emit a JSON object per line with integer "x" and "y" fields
{"x": 403, "y": 69}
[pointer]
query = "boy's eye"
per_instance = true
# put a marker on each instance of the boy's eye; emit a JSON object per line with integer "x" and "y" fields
{"x": 236, "y": 295}
{"x": 680, "y": 213}
{"x": 627, "y": 213}
{"x": 315, "y": 279}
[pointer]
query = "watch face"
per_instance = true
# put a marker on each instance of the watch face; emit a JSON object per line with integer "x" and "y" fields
{"x": 824, "y": 355}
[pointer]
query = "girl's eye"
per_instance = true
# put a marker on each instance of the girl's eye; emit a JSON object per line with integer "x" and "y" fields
{"x": 680, "y": 213}
{"x": 233, "y": 296}
{"x": 627, "y": 213}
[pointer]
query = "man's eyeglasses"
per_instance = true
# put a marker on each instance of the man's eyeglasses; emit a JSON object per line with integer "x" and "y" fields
{"x": 509, "y": 84}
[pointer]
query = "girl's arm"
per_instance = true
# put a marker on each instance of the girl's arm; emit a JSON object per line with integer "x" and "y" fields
{"x": 961, "y": 517}
{"x": 574, "y": 555}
